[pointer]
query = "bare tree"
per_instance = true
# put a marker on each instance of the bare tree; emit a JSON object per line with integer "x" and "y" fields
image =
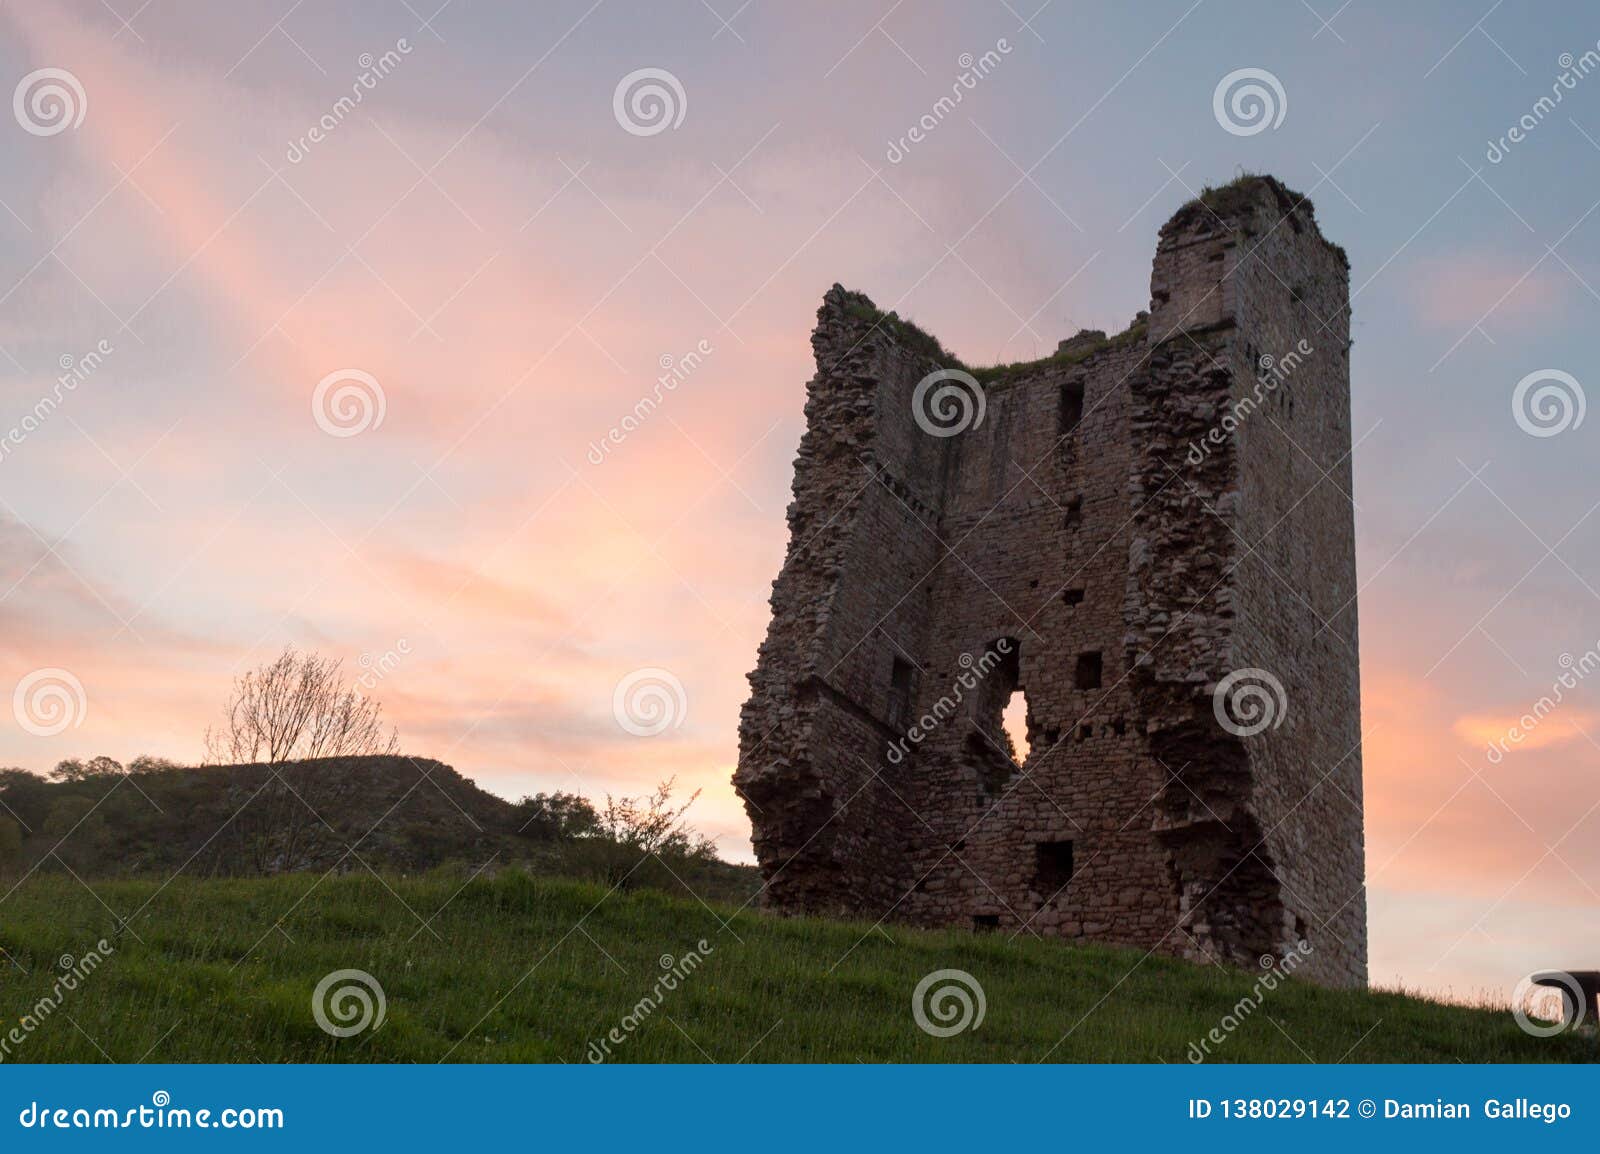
{"x": 296, "y": 707}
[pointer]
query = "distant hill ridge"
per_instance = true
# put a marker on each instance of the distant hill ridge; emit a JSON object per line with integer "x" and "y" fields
{"x": 388, "y": 813}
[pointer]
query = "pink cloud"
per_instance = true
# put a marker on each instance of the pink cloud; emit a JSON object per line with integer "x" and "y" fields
{"x": 1460, "y": 290}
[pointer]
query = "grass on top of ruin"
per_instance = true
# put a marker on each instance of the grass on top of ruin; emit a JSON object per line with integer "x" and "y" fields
{"x": 517, "y": 969}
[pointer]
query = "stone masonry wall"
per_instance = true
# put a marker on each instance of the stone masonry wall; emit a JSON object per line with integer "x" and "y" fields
{"x": 1075, "y": 530}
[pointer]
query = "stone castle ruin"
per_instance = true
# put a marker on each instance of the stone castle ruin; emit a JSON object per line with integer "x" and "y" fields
{"x": 1149, "y": 538}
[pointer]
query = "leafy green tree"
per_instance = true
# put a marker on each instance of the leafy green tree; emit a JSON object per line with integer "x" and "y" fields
{"x": 11, "y": 775}
{"x": 556, "y": 817}
{"x": 144, "y": 763}
{"x": 74, "y": 770}
{"x": 10, "y": 846}
{"x": 76, "y": 827}
{"x": 70, "y": 769}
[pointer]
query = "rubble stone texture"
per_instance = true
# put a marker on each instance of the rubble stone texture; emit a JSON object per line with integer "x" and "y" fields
{"x": 1131, "y": 521}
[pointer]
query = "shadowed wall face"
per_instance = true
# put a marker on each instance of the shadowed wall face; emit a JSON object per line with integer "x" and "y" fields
{"x": 1125, "y": 533}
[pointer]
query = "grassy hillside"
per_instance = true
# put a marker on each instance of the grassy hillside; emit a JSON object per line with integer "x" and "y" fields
{"x": 350, "y": 814}
{"x": 524, "y": 969}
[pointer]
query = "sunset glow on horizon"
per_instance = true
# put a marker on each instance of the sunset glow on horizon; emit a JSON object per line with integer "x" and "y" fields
{"x": 363, "y": 374}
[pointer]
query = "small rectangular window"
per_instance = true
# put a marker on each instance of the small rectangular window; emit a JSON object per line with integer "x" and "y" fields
{"x": 900, "y": 693}
{"x": 1071, "y": 406}
{"x": 1052, "y": 867}
{"x": 1088, "y": 671}
{"x": 1073, "y": 597}
{"x": 985, "y": 923}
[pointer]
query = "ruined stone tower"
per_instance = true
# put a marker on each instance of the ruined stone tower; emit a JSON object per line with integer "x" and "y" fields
{"x": 1150, "y": 537}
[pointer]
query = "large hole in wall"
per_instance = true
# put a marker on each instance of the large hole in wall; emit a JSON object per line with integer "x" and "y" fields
{"x": 999, "y": 718}
{"x": 1014, "y": 723}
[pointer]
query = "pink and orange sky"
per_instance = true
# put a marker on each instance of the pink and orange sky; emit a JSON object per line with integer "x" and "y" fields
{"x": 483, "y": 237}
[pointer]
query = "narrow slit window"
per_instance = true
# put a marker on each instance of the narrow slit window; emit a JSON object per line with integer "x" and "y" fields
{"x": 1071, "y": 406}
{"x": 900, "y": 693}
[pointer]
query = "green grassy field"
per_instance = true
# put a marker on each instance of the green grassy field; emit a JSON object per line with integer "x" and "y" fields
{"x": 532, "y": 970}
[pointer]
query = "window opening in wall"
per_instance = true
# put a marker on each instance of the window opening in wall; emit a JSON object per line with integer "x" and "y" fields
{"x": 1071, "y": 406}
{"x": 1052, "y": 867}
{"x": 1087, "y": 675}
{"x": 999, "y": 714}
{"x": 1073, "y": 597}
{"x": 985, "y": 923}
{"x": 1014, "y": 723}
{"x": 900, "y": 693}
